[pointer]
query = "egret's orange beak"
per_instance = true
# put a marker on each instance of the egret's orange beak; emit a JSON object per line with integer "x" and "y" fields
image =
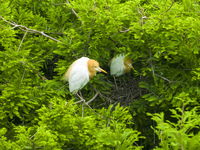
{"x": 101, "y": 70}
{"x": 130, "y": 65}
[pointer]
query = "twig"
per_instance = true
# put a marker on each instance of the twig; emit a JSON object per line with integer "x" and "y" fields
{"x": 164, "y": 12}
{"x": 141, "y": 13}
{"x": 83, "y": 101}
{"x": 115, "y": 83}
{"x": 33, "y": 135}
{"x": 163, "y": 78}
{"x": 124, "y": 31}
{"x": 170, "y": 7}
{"x": 89, "y": 37}
{"x": 22, "y": 41}
{"x": 22, "y": 77}
{"x": 43, "y": 77}
{"x": 116, "y": 41}
{"x": 73, "y": 10}
{"x": 97, "y": 93}
{"x": 150, "y": 56}
{"x": 25, "y": 29}
{"x": 94, "y": 111}
{"x": 61, "y": 87}
{"x": 87, "y": 103}
{"x": 168, "y": 79}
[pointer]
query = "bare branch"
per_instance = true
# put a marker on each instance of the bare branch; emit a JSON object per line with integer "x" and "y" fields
{"x": 124, "y": 31}
{"x": 22, "y": 77}
{"x": 97, "y": 93}
{"x": 22, "y": 41}
{"x": 7, "y": 21}
{"x": 61, "y": 87}
{"x": 141, "y": 13}
{"x": 94, "y": 111}
{"x": 83, "y": 102}
{"x": 170, "y": 7}
{"x": 163, "y": 78}
{"x": 73, "y": 10}
{"x": 33, "y": 135}
{"x": 116, "y": 41}
{"x": 25, "y": 29}
{"x": 167, "y": 79}
{"x": 164, "y": 12}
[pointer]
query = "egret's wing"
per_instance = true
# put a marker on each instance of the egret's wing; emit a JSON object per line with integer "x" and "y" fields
{"x": 78, "y": 77}
{"x": 117, "y": 65}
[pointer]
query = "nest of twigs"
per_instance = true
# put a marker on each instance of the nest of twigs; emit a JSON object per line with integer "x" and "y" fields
{"x": 125, "y": 91}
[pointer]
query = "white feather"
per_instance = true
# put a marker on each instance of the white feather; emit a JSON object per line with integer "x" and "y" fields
{"x": 79, "y": 75}
{"x": 117, "y": 65}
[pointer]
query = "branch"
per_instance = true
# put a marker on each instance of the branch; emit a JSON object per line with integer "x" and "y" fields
{"x": 170, "y": 7}
{"x": 124, "y": 31}
{"x": 73, "y": 10}
{"x": 142, "y": 16}
{"x": 25, "y": 29}
{"x": 83, "y": 102}
{"x": 164, "y": 12}
{"x": 116, "y": 41}
{"x": 22, "y": 41}
{"x": 141, "y": 13}
{"x": 97, "y": 93}
{"x": 33, "y": 135}
{"x": 43, "y": 77}
{"x": 167, "y": 79}
{"x": 22, "y": 77}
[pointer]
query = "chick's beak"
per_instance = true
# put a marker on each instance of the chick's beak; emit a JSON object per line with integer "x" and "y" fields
{"x": 101, "y": 70}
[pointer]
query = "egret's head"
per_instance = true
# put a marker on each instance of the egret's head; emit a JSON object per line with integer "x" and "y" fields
{"x": 128, "y": 64}
{"x": 93, "y": 67}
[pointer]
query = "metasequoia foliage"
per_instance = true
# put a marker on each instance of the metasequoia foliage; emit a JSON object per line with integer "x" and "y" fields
{"x": 39, "y": 40}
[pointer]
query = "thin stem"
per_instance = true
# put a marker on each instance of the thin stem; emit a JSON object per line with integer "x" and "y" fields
{"x": 22, "y": 41}
{"x": 97, "y": 93}
{"x": 25, "y": 29}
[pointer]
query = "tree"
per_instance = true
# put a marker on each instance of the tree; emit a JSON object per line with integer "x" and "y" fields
{"x": 40, "y": 39}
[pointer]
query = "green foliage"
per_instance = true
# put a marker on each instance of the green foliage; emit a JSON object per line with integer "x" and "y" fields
{"x": 179, "y": 134}
{"x": 105, "y": 129}
{"x": 40, "y": 39}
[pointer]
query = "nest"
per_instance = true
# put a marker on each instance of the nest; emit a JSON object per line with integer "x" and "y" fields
{"x": 126, "y": 91}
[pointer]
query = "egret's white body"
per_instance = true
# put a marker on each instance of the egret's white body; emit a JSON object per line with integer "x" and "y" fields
{"x": 80, "y": 72}
{"x": 120, "y": 65}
